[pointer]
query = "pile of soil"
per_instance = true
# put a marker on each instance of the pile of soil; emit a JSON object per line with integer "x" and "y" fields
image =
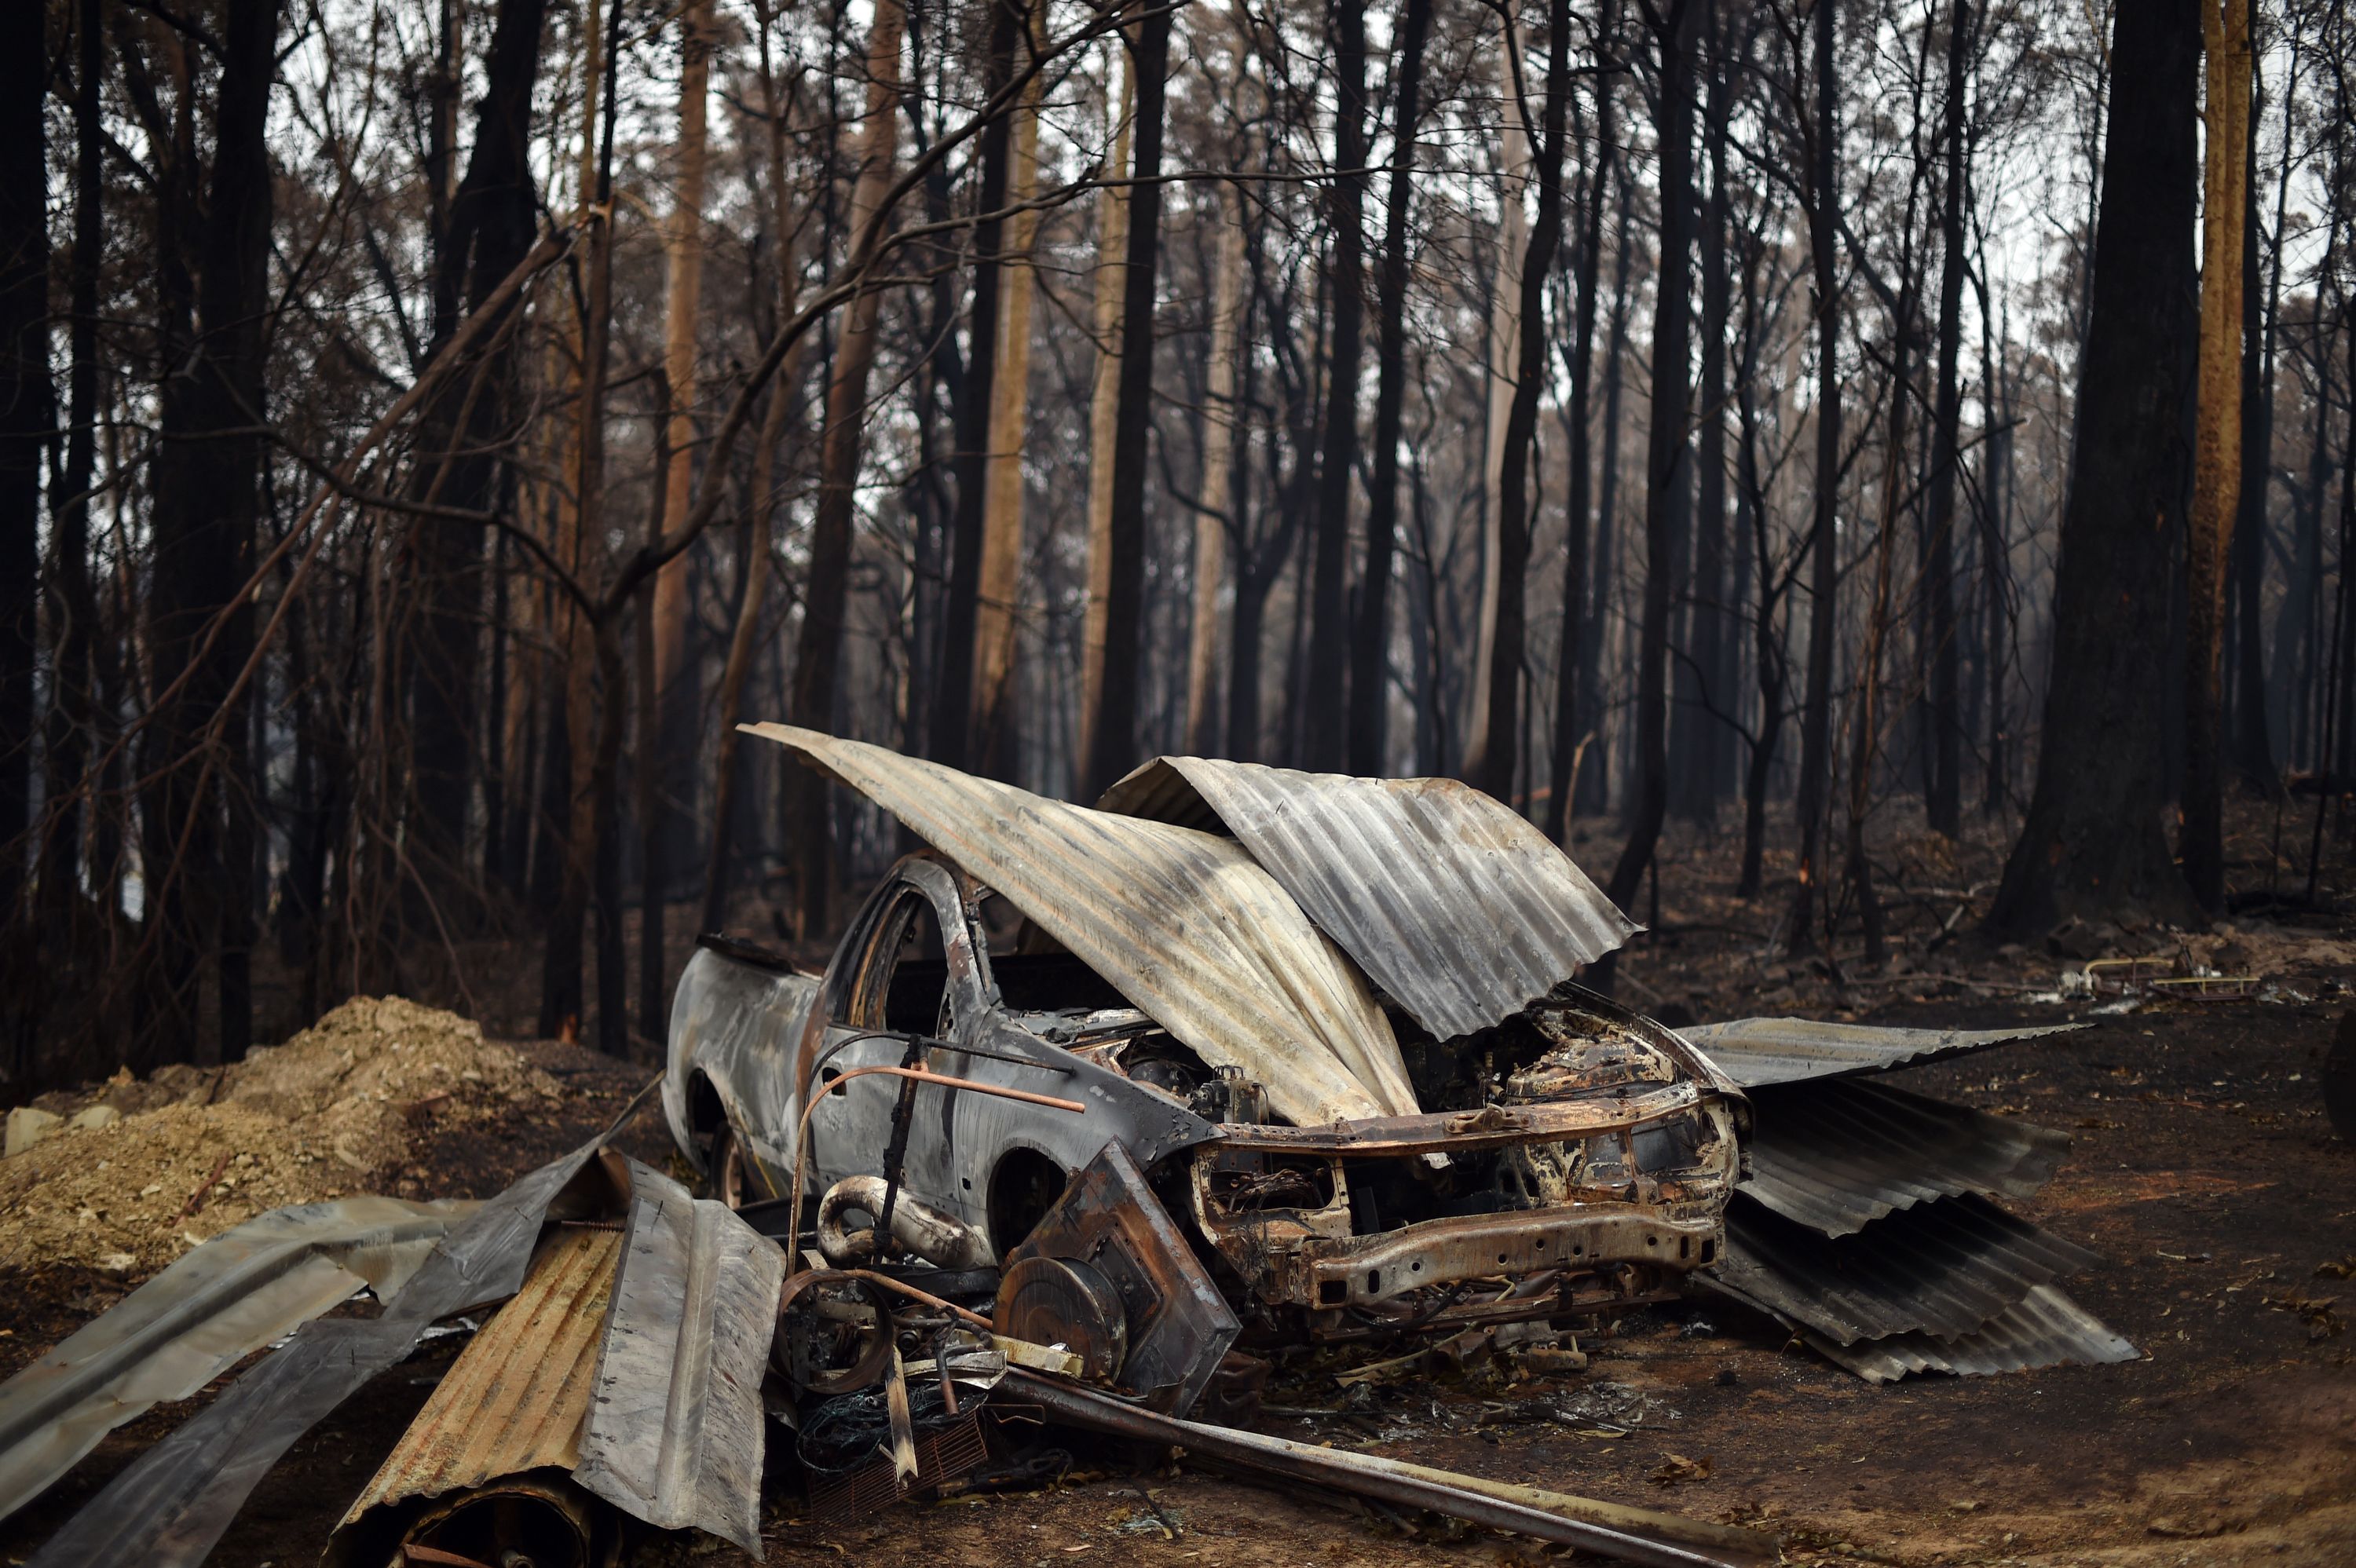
{"x": 197, "y": 1150}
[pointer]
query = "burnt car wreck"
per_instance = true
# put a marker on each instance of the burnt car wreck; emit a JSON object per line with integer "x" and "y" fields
{"x": 1096, "y": 1116}
{"x": 1329, "y": 1029}
{"x": 1356, "y": 1110}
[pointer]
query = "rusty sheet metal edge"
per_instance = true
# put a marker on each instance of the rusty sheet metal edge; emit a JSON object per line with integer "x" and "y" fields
{"x": 1452, "y": 903}
{"x": 1365, "y": 1476}
{"x": 169, "y": 1506}
{"x": 674, "y": 1433}
{"x": 213, "y": 1306}
{"x": 1759, "y": 1051}
{"x": 513, "y": 1400}
{"x": 1186, "y": 924}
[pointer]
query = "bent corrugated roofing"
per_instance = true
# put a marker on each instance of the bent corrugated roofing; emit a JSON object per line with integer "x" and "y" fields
{"x": 1943, "y": 1268}
{"x": 1454, "y": 904}
{"x": 1755, "y": 1052}
{"x": 2043, "y": 1329}
{"x": 1184, "y": 923}
{"x": 1839, "y": 1153}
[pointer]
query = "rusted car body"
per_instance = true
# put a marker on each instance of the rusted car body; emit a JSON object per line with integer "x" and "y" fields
{"x": 1569, "y": 1154}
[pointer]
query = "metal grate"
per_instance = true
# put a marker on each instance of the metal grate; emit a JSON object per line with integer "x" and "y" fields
{"x": 941, "y": 1456}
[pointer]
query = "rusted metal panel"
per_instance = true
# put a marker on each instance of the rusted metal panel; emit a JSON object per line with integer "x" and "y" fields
{"x": 1311, "y": 1258}
{"x": 2043, "y": 1329}
{"x": 218, "y": 1303}
{"x": 1175, "y": 1324}
{"x": 1450, "y": 902}
{"x": 1757, "y": 1052}
{"x": 1943, "y": 1268}
{"x": 514, "y": 1399}
{"x": 674, "y": 1437}
{"x": 1184, "y": 924}
{"x": 1838, "y": 1155}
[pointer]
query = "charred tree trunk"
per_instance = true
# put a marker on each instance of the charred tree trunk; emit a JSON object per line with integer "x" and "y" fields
{"x": 952, "y": 708}
{"x": 207, "y": 502}
{"x": 491, "y": 222}
{"x": 1507, "y": 330}
{"x": 1592, "y": 788}
{"x": 1112, "y": 729}
{"x": 1701, "y": 723}
{"x": 1104, "y": 407}
{"x": 1573, "y": 713}
{"x": 1769, "y": 654}
{"x": 74, "y": 703}
{"x": 587, "y": 669}
{"x": 1324, "y": 737}
{"x": 27, "y": 411}
{"x": 1371, "y": 636}
{"x": 1823, "y": 542}
{"x": 2217, "y": 439}
{"x": 826, "y": 597}
{"x": 1865, "y": 723}
{"x": 1668, "y": 465}
{"x": 1944, "y": 806}
{"x": 1490, "y": 764}
{"x": 995, "y": 622}
{"x": 1215, "y": 513}
{"x": 670, "y": 691}
{"x": 752, "y": 557}
{"x": 2252, "y": 743}
{"x": 2092, "y": 845}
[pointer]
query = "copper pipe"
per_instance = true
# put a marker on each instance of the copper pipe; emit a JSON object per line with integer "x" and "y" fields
{"x": 801, "y": 1128}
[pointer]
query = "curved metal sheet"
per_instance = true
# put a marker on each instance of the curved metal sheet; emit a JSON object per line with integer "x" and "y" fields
{"x": 1755, "y": 1052}
{"x": 1838, "y": 1155}
{"x": 2043, "y": 1329}
{"x": 1184, "y": 924}
{"x": 1450, "y": 902}
{"x": 217, "y": 1304}
{"x": 168, "y": 1507}
{"x": 1943, "y": 1268}
{"x": 674, "y": 1437}
{"x": 514, "y": 1399}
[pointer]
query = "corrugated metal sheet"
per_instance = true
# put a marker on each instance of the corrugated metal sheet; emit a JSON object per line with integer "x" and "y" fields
{"x": 515, "y": 1398}
{"x": 218, "y": 1303}
{"x": 1184, "y": 924}
{"x": 675, "y": 1436}
{"x": 2043, "y": 1329}
{"x": 1943, "y": 1268}
{"x": 1840, "y": 1153}
{"x": 168, "y": 1507}
{"x": 1756, "y": 1051}
{"x": 1454, "y": 904}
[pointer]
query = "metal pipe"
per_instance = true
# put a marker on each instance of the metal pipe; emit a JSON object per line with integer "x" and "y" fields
{"x": 1408, "y": 1487}
{"x": 942, "y": 1239}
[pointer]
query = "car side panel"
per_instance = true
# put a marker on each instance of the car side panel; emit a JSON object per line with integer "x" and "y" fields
{"x": 736, "y": 1026}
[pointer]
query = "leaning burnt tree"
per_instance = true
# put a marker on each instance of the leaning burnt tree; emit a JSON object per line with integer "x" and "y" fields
{"x": 2093, "y": 845}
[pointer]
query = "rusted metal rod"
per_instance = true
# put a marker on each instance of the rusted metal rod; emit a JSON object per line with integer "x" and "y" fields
{"x": 1345, "y": 1472}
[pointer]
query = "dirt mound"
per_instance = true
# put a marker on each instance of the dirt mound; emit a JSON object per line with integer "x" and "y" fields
{"x": 197, "y": 1150}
